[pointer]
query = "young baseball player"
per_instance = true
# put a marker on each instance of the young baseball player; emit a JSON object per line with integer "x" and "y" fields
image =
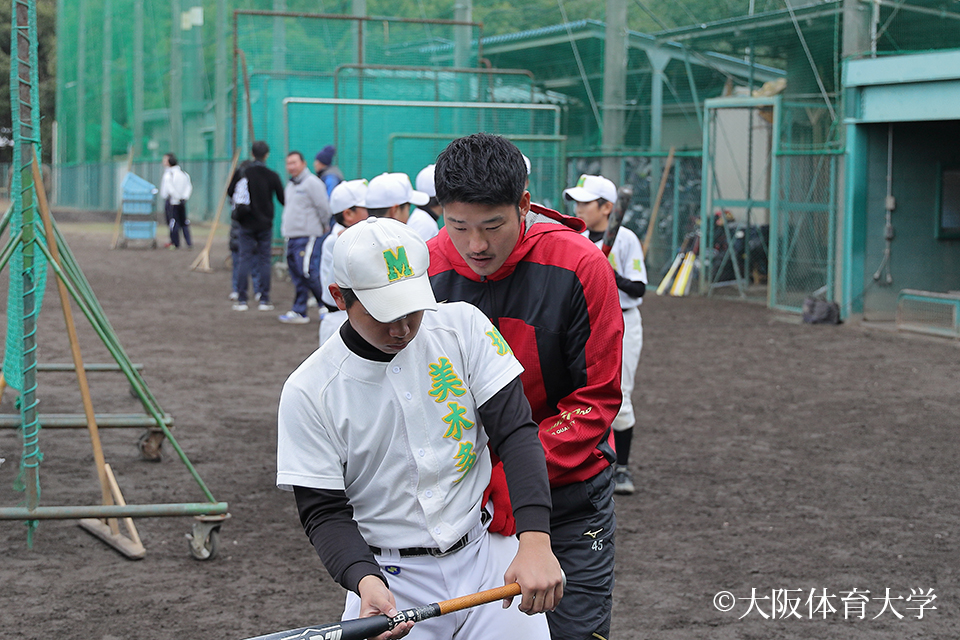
{"x": 553, "y": 297}
{"x": 390, "y": 195}
{"x": 383, "y": 437}
{"x": 424, "y": 183}
{"x": 595, "y": 197}
{"x": 349, "y": 207}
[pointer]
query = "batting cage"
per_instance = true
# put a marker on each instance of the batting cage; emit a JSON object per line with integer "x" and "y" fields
{"x": 388, "y": 93}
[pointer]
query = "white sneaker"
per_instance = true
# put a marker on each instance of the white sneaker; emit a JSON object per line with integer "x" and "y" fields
{"x": 240, "y": 306}
{"x": 234, "y": 296}
{"x": 292, "y": 317}
{"x": 266, "y": 306}
{"x": 311, "y": 302}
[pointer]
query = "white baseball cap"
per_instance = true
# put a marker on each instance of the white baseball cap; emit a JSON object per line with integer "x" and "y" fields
{"x": 590, "y": 188}
{"x": 385, "y": 263}
{"x": 526, "y": 161}
{"x": 389, "y": 189}
{"x": 348, "y": 194}
{"x": 425, "y": 180}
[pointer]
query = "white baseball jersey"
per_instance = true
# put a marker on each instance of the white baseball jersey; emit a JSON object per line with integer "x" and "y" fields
{"x": 326, "y": 263}
{"x": 402, "y": 438}
{"x": 423, "y": 223}
{"x": 627, "y": 260}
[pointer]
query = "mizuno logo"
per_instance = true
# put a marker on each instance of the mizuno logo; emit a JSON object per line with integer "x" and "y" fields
{"x": 593, "y": 534}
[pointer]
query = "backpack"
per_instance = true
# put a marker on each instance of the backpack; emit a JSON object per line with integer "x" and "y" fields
{"x": 817, "y": 311}
{"x": 241, "y": 199}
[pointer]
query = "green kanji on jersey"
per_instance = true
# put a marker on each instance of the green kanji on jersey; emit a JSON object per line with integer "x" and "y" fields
{"x": 457, "y": 421}
{"x": 636, "y": 264}
{"x": 613, "y": 260}
{"x": 502, "y": 347}
{"x": 467, "y": 458}
{"x": 445, "y": 380}
{"x": 398, "y": 266}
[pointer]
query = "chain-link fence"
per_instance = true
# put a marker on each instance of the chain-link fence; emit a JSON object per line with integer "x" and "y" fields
{"x": 804, "y": 240}
{"x": 97, "y": 186}
{"x": 771, "y": 173}
{"x": 360, "y": 60}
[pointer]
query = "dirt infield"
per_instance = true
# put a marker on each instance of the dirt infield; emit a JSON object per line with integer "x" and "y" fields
{"x": 770, "y": 456}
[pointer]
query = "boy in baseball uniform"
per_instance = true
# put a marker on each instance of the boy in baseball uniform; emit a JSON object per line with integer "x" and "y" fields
{"x": 390, "y": 195}
{"x": 383, "y": 438}
{"x": 347, "y": 202}
{"x": 595, "y": 197}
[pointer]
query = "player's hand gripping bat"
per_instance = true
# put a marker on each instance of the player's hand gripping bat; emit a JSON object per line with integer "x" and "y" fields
{"x": 361, "y": 628}
{"x": 624, "y": 194}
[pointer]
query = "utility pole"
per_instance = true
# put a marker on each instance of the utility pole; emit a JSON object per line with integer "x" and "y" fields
{"x": 279, "y": 38}
{"x": 220, "y": 82}
{"x": 106, "y": 84}
{"x": 176, "y": 78}
{"x": 614, "y": 87}
{"x": 81, "y": 121}
{"x": 137, "y": 146}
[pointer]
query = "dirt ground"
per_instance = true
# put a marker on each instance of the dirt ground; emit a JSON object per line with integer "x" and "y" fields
{"x": 769, "y": 456}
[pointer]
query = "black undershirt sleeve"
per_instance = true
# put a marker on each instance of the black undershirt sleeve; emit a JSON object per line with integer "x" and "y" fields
{"x": 633, "y": 288}
{"x": 514, "y": 437}
{"x": 327, "y": 519}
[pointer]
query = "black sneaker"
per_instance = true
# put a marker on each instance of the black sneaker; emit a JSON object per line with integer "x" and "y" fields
{"x": 622, "y": 482}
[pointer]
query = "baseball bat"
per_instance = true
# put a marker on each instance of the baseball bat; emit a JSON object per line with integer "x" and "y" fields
{"x": 624, "y": 194}
{"x": 361, "y": 628}
{"x": 667, "y": 279}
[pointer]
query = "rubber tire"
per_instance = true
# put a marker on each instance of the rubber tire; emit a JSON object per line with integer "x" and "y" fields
{"x": 211, "y": 546}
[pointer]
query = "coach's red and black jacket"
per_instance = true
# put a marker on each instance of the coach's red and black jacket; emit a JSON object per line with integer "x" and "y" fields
{"x": 555, "y": 302}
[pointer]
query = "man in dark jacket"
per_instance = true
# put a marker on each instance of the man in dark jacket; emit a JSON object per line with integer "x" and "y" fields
{"x": 325, "y": 170}
{"x": 256, "y": 223}
{"x": 553, "y": 297}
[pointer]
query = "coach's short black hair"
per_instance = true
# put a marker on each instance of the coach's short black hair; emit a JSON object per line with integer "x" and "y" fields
{"x": 480, "y": 169}
{"x": 296, "y": 153}
{"x": 260, "y": 149}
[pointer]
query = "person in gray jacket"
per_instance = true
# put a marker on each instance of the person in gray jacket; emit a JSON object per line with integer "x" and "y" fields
{"x": 306, "y": 215}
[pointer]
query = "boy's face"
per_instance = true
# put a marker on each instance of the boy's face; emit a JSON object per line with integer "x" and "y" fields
{"x": 389, "y": 337}
{"x": 595, "y": 215}
{"x": 485, "y": 235}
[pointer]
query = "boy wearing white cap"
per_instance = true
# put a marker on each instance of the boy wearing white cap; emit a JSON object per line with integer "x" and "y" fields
{"x": 595, "y": 197}
{"x": 347, "y": 201}
{"x": 425, "y": 184}
{"x": 382, "y": 437}
{"x": 390, "y": 195}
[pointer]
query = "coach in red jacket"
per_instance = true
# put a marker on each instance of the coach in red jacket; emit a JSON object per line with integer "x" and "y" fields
{"x": 553, "y": 297}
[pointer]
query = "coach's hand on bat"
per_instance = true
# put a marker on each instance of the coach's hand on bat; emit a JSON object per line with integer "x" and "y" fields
{"x": 376, "y": 598}
{"x": 538, "y": 572}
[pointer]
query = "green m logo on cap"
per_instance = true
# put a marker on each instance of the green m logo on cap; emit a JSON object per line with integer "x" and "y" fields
{"x": 582, "y": 180}
{"x": 398, "y": 266}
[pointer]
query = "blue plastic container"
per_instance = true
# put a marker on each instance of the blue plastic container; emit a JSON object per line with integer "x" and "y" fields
{"x": 139, "y": 221}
